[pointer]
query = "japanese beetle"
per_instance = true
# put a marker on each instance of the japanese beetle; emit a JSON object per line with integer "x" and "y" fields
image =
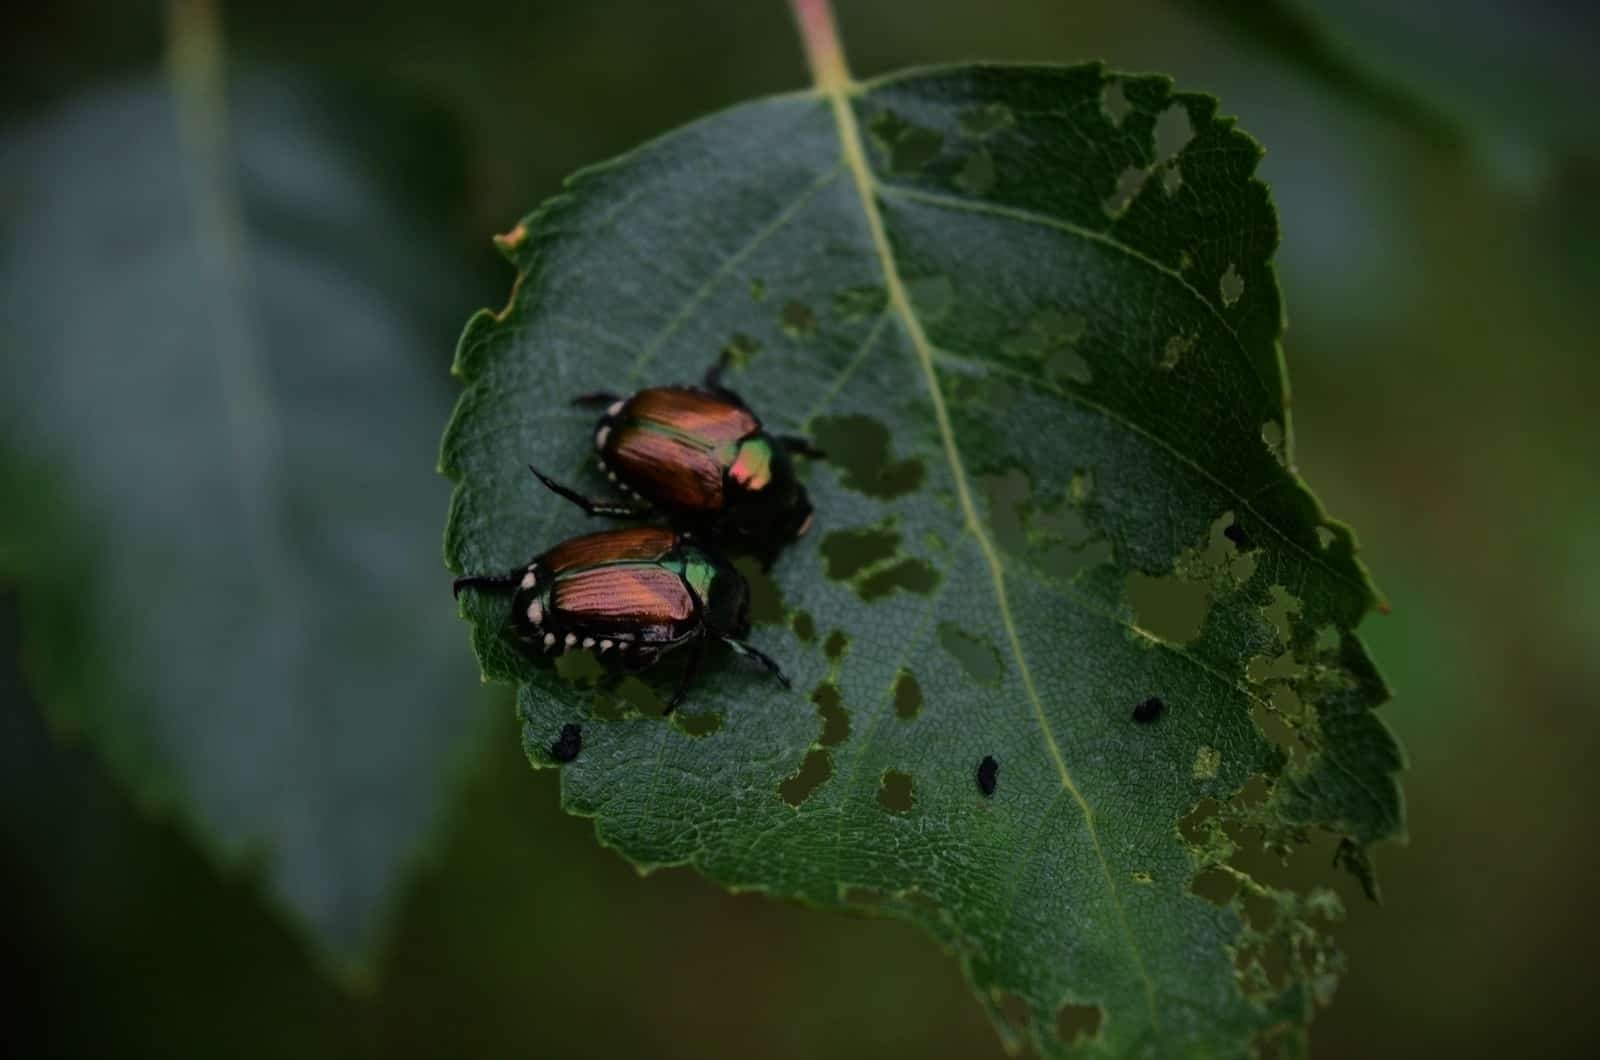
{"x": 630, "y": 596}
{"x": 699, "y": 456}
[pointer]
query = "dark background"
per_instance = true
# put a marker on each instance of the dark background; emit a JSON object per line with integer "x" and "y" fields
{"x": 1442, "y": 350}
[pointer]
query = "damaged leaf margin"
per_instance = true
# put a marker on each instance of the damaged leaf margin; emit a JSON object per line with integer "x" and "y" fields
{"x": 1031, "y": 305}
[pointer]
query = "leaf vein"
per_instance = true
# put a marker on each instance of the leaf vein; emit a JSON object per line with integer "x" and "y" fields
{"x": 855, "y": 157}
{"x": 1161, "y": 443}
{"x": 1037, "y": 220}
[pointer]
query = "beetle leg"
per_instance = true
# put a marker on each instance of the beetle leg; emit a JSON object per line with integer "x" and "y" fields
{"x": 690, "y": 669}
{"x": 759, "y": 656}
{"x": 801, "y": 446}
{"x": 597, "y": 397}
{"x": 591, "y": 507}
{"x": 484, "y": 581}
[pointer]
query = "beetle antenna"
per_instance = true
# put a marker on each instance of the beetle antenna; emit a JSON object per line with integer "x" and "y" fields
{"x": 483, "y": 581}
{"x": 595, "y": 397}
{"x": 713, "y": 378}
{"x": 759, "y": 656}
{"x": 590, "y": 507}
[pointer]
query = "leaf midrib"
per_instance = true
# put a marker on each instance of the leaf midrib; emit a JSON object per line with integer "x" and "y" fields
{"x": 838, "y": 94}
{"x": 254, "y": 434}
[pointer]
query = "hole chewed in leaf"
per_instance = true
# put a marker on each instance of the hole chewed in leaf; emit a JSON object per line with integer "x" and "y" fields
{"x": 979, "y": 658}
{"x": 1007, "y": 497}
{"x": 836, "y": 645}
{"x": 909, "y": 147}
{"x": 766, "y": 605}
{"x": 835, "y": 721}
{"x": 1169, "y": 608}
{"x": 1272, "y": 437}
{"x": 1129, "y": 183}
{"x": 1068, "y": 366}
{"x": 1014, "y": 1010}
{"x": 797, "y": 319}
{"x": 804, "y": 626}
{"x": 1199, "y": 825}
{"x": 846, "y": 553}
{"x": 1215, "y": 886}
{"x": 814, "y": 771}
{"x": 907, "y": 695}
{"x": 977, "y": 174}
{"x": 1173, "y": 132}
{"x": 911, "y": 575}
{"x": 1231, "y": 286}
{"x": 859, "y": 447}
{"x": 1278, "y": 612}
{"x": 1078, "y": 1024}
{"x": 896, "y": 791}
{"x": 860, "y": 557}
{"x": 1172, "y": 178}
{"x": 579, "y": 668}
{"x": 1045, "y": 333}
{"x": 640, "y": 697}
{"x": 1114, "y": 102}
{"x": 1260, "y": 911}
{"x": 629, "y": 695}
{"x": 697, "y": 724}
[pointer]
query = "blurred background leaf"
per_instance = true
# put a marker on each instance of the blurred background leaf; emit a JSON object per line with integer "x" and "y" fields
{"x": 1303, "y": 40}
{"x": 219, "y": 366}
{"x": 1442, "y": 323}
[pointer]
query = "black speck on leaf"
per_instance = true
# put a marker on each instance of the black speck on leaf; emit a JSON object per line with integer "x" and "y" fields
{"x": 1235, "y": 533}
{"x": 1149, "y": 710}
{"x": 988, "y": 774}
{"x": 568, "y": 744}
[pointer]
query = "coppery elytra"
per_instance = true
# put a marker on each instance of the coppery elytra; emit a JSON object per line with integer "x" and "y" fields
{"x": 700, "y": 457}
{"x": 630, "y": 596}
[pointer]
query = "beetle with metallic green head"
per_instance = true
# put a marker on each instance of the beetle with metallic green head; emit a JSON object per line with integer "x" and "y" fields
{"x": 699, "y": 456}
{"x": 630, "y": 596}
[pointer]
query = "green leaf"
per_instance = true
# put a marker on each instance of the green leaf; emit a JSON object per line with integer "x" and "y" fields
{"x": 1058, "y": 486}
{"x": 215, "y": 469}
